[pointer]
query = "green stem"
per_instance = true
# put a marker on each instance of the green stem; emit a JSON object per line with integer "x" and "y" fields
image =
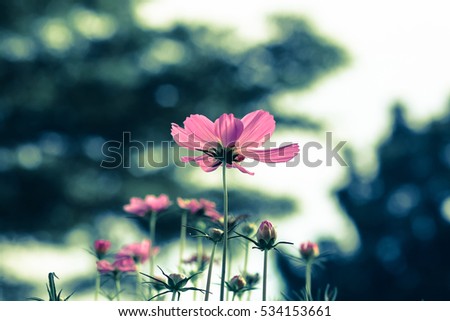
{"x": 174, "y": 294}
{"x": 199, "y": 262}
{"x": 247, "y": 254}
{"x": 199, "y": 253}
{"x": 225, "y": 232}
{"x": 152, "y": 228}
{"x": 152, "y": 232}
{"x": 97, "y": 285}
{"x": 210, "y": 267}
{"x": 138, "y": 282}
{"x": 117, "y": 282}
{"x": 264, "y": 294}
{"x": 234, "y": 296}
{"x": 308, "y": 280}
{"x": 182, "y": 237}
{"x": 229, "y": 262}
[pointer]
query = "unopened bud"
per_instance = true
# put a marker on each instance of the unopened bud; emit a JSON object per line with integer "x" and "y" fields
{"x": 237, "y": 283}
{"x": 266, "y": 235}
{"x": 249, "y": 229}
{"x": 177, "y": 277}
{"x": 309, "y": 250}
{"x": 215, "y": 234}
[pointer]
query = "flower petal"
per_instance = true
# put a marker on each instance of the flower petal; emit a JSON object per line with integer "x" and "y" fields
{"x": 187, "y": 159}
{"x": 202, "y": 127}
{"x": 242, "y": 169}
{"x": 185, "y": 138}
{"x": 258, "y": 127}
{"x": 273, "y": 155}
{"x": 228, "y": 129}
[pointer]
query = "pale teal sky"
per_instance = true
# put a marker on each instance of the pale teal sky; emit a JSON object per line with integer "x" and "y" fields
{"x": 398, "y": 52}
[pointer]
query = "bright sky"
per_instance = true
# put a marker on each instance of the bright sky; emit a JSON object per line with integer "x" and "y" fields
{"x": 399, "y": 52}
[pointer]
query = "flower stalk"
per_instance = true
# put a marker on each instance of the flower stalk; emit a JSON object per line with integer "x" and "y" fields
{"x": 183, "y": 237}
{"x": 117, "y": 284}
{"x": 210, "y": 267}
{"x": 97, "y": 285}
{"x": 308, "y": 280}
{"x": 264, "y": 293}
{"x": 225, "y": 240}
{"x": 152, "y": 231}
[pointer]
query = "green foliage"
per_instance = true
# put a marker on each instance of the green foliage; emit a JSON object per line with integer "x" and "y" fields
{"x": 53, "y": 294}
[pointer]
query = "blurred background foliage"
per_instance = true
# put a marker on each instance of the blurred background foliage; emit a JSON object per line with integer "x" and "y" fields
{"x": 76, "y": 74}
{"x": 402, "y": 215}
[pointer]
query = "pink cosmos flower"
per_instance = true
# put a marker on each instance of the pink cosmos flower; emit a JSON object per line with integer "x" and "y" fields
{"x": 199, "y": 207}
{"x": 138, "y": 252}
{"x": 124, "y": 265}
{"x": 119, "y": 265}
{"x": 136, "y": 206}
{"x": 231, "y": 140}
{"x": 158, "y": 203}
{"x": 140, "y": 207}
{"x": 104, "y": 266}
{"x": 101, "y": 247}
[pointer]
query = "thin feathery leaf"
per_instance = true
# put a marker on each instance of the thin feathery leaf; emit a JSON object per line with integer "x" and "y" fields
{"x": 159, "y": 294}
{"x": 154, "y": 279}
{"x": 248, "y": 239}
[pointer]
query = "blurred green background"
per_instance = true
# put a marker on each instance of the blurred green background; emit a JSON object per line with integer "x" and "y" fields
{"x": 77, "y": 74}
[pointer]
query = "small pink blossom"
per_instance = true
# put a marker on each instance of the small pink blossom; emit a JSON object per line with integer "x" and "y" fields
{"x": 138, "y": 252}
{"x": 158, "y": 203}
{"x": 136, "y": 206}
{"x": 230, "y": 140}
{"x": 194, "y": 259}
{"x": 199, "y": 207}
{"x": 104, "y": 266}
{"x": 101, "y": 247}
{"x": 124, "y": 264}
{"x": 151, "y": 203}
{"x": 309, "y": 250}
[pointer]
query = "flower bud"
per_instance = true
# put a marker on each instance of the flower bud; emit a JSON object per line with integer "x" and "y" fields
{"x": 309, "y": 250}
{"x": 249, "y": 229}
{"x": 177, "y": 277}
{"x": 252, "y": 279}
{"x": 215, "y": 234}
{"x": 237, "y": 283}
{"x": 101, "y": 247}
{"x": 266, "y": 235}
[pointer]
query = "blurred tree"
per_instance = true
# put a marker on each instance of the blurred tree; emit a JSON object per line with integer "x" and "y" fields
{"x": 75, "y": 74}
{"x": 403, "y": 219}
